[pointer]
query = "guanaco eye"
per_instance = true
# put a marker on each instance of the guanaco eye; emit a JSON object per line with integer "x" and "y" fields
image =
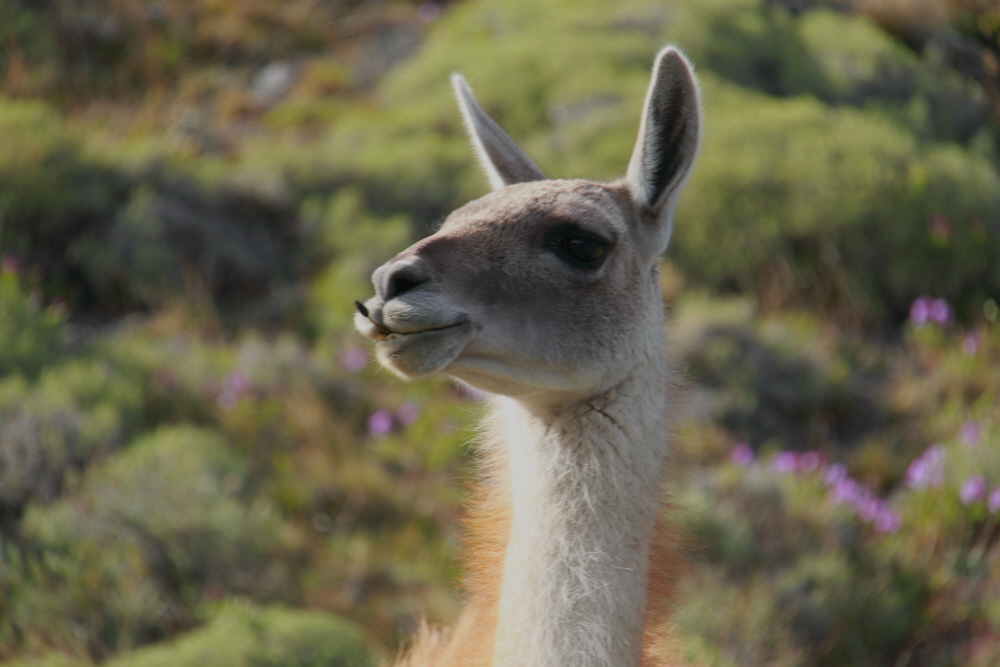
{"x": 577, "y": 247}
{"x": 583, "y": 250}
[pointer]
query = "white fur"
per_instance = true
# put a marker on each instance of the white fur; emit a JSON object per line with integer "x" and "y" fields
{"x": 585, "y": 488}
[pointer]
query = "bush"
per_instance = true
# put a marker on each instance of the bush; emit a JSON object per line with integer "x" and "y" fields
{"x": 75, "y": 414}
{"x": 811, "y": 561}
{"x": 240, "y": 635}
{"x": 49, "y": 660}
{"x": 108, "y": 240}
{"x": 55, "y": 203}
{"x": 768, "y": 388}
{"x": 151, "y": 533}
{"x": 836, "y": 208}
{"x": 30, "y": 337}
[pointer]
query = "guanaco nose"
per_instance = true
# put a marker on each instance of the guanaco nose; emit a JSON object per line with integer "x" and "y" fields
{"x": 398, "y": 276}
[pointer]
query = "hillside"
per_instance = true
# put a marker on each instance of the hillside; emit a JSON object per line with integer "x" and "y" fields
{"x": 200, "y": 462}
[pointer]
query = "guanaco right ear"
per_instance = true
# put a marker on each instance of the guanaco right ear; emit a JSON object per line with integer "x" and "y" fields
{"x": 502, "y": 160}
{"x": 667, "y": 145}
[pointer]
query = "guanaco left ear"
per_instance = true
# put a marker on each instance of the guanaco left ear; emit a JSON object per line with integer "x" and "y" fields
{"x": 502, "y": 160}
{"x": 667, "y": 144}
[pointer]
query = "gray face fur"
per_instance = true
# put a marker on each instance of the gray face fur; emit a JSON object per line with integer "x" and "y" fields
{"x": 544, "y": 289}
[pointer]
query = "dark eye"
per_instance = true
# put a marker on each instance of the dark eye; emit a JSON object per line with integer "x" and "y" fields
{"x": 583, "y": 250}
{"x": 578, "y": 247}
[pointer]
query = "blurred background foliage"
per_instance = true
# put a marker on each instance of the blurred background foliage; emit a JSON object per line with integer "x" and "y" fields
{"x": 200, "y": 465}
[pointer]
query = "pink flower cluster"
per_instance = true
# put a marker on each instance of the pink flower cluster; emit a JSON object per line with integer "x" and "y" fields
{"x": 993, "y": 501}
{"x": 970, "y": 432}
{"x": 843, "y": 490}
{"x": 801, "y": 462}
{"x": 354, "y": 359}
{"x": 382, "y": 421}
{"x": 974, "y": 490}
{"x": 742, "y": 455}
{"x": 924, "y": 309}
{"x": 10, "y": 264}
{"x": 927, "y": 470}
{"x": 234, "y": 386}
{"x": 970, "y": 344}
{"x": 784, "y": 462}
{"x": 428, "y": 11}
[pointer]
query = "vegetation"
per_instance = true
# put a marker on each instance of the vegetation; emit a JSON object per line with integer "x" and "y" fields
{"x": 199, "y": 463}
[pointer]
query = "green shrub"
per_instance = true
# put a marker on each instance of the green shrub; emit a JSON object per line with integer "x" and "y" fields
{"x": 150, "y": 534}
{"x": 108, "y": 239}
{"x": 30, "y": 337}
{"x": 806, "y": 561}
{"x": 836, "y": 207}
{"x": 49, "y": 660}
{"x": 55, "y": 203}
{"x": 76, "y": 413}
{"x": 240, "y": 635}
{"x": 773, "y": 386}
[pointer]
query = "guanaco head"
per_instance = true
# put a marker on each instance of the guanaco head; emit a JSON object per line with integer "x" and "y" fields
{"x": 543, "y": 289}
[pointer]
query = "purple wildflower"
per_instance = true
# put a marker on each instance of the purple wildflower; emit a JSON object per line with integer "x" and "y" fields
{"x": 10, "y": 264}
{"x": 742, "y": 455}
{"x": 920, "y": 310}
{"x": 785, "y": 462}
{"x": 887, "y": 520}
{"x": 970, "y": 432}
{"x": 938, "y": 311}
{"x": 234, "y": 386}
{"x": 846, "y": 490}
{"x": 834, "y": 473}
{"x": 970, "y": 344}
{"x": 237, "y": 382}
{"x": 407, "y": 413}
{"x": 809, "y": 462}
{"x": 927, "y": 470}
{"x": 868, "y": 507}
{"x": 924, "y": 309}
{"x": 354, "y": 359}
{"x": 993, "y": 500}
{"x": 973, "y": 489}
{"x": 380, "y": 423}
{"x": 428, "y": 11}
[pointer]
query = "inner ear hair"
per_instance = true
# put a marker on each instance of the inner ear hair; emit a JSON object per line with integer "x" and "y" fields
{"x": 669, "y": 133}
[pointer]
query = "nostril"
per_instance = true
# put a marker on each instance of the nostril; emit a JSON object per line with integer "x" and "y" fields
{"x": 399, "y": 276}
{"x": 402, "y": 281}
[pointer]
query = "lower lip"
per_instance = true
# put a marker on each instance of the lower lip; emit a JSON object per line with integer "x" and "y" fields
{"x": 398, "y": 338}
{"x": 395, "y": 337}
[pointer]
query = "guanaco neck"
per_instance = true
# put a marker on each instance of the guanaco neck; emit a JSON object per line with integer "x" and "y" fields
{"x": 585, "y": 493}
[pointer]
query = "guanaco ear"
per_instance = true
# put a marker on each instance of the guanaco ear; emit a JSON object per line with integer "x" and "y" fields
{"x": 502, "y": 160}
{"x": 667, "y": 145}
